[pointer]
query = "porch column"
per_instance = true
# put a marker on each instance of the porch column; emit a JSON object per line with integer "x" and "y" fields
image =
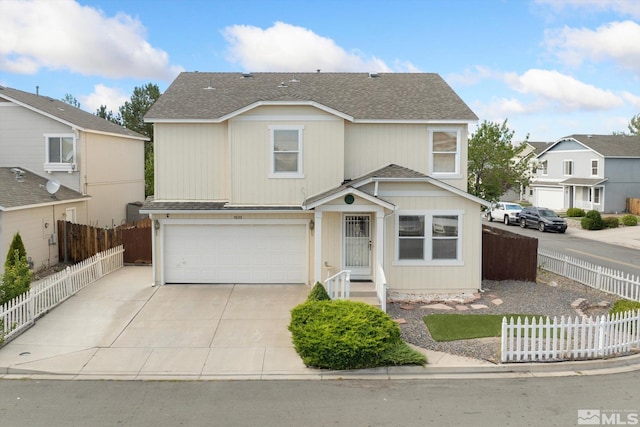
{"x": 379, "y": 255}
{"x": 317, "y": 247}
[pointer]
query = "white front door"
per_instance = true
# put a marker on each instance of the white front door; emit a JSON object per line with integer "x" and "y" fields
{"x": 357, "y": 245}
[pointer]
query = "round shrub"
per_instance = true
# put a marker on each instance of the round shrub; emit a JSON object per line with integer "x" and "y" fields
{"x": 592, "y": 221}
{"x": 624, "y": 305}
{"x": 575, "y": 212}
{"x": 318, "y": 293}
{"x": 342, "y": 334}
{"x": 611, "y": 222}
{"x": 630, "y": 220}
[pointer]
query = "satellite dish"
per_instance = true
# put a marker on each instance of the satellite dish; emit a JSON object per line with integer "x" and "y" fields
{"x": 53, "y": 185}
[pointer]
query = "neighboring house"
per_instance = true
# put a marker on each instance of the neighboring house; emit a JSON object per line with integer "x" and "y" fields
{"x": 289, "y": 178}
{"x": 598, "y": 172}
{"x": 84, "y": 152}
{"x": 29, "y": 206}
{"x": 528, "y": 154}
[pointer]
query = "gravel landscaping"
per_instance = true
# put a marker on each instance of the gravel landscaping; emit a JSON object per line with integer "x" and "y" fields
{"x": 551, "y": 295}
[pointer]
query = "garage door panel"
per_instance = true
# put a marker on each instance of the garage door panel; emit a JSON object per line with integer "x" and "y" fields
{"x": 235, "y": 253}
{"x": 550, "y": 198}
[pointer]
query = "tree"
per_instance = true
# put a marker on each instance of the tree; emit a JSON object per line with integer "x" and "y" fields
{"x": 71, "y": 100}
{"x": 16, "y": 245}
{"x": 109, "y": 115}
{"x": 634, "y": 125}
{"x": 132, "y": 116}
{"x": 493, "y": 166}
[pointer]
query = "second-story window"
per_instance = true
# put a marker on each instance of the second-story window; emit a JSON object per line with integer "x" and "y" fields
{"x": 286, "y": 151}
{"x": 568, "y": 167}
{"x": 60, "y": 153}
{"x": 445, "y": 151}
{"x": 543, "y": 168}
{"x": 594, "y": 167}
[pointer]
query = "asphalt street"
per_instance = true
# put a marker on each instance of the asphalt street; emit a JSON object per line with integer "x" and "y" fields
{"x": 617, "y": 257}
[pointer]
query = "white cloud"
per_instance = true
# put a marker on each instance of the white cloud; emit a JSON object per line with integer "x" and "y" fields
{"x": 473, "y": 76}
{"x": 616, "y": 41}
{"x": 624, "y": 7}
{"x": 285, "y": 47}
{"x": 562, "y": 92}
{"x": 113, "y": 98}
{"x": 63, "y": 35}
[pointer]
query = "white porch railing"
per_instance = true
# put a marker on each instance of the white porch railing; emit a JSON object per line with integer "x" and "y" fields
{"x": 338, "y": 286}
{"x": 580, "y": 338}
{"x": 21, "y": 312}
{"x": 381, "y": 287}
{"x": 595, "y": 276}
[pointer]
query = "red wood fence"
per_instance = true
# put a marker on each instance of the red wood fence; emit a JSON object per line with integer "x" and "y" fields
{"x": 508, "y": 256}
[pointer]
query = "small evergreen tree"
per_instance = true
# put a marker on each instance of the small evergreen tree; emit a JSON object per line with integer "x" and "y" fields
{"x": 16, "y": 280}
{"x": 16, "y": 245}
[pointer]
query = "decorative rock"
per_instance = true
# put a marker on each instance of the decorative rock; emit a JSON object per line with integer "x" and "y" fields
{"x": 553, "y": 283}
{"x": 400, "y": 321}
{"x": 478, "y": 306}
{"x": 604, "y": 304}
{"x": 497, "y": 301}
{"x": 437, "y": 307}
{"x": 407, "y": 307}
{"x": 462, "y": 308}
{"x": 578, "y": 303}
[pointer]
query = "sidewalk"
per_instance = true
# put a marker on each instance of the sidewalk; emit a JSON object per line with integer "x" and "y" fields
{"x": 621, "y": 236}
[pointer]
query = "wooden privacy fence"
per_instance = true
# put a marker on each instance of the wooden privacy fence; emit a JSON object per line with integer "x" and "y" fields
{"x": 633, "y": 206}
{"x": 508, "y": 256}
{"x": 21, "y": 312}
{"x": 598, "y": 277}
{"x": 77, "y": 242}
{"x": 569, "y": 339}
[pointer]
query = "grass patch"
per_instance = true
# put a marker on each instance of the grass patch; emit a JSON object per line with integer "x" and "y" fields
{"x": 453, "y": 327}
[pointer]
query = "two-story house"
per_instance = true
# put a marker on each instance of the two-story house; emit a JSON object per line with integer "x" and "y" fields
{"x": 85, "y": 154}
{"x": 598, "y": 172}
{"x": 291, "y": 177}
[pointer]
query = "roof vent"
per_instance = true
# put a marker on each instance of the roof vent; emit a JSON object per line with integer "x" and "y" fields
{"x": 282, "y": 84}
{"x": 247, "y": 75}
{"x": 374, "y": 75}
{"x": 209, "y": 87}
{"x": 589, "y": 136}
{"x": 18, "y": 173}
{"x": 293, "y": 79}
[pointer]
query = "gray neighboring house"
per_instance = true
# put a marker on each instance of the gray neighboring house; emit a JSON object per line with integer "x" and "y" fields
{"x": 597, "y": 172}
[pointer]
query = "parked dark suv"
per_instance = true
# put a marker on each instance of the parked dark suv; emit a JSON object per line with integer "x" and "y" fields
{"x": 542, "y": 218}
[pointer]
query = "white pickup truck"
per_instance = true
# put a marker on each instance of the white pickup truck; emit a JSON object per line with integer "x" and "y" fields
{"x": 505, "y": 212}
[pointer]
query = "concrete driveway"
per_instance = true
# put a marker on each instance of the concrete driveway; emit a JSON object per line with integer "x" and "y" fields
{"x": 121, "y": 327}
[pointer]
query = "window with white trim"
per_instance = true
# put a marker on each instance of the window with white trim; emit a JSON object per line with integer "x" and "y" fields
{"x": 428, "y": 238}
{"x": 568, "y": 167}
{"x": 596, "y": 195}
{"x": 544, "y": 167}
{"x": 60, "y": 152}
{"x": 286, "y": 151}
{"x": 594, "y": 167}
{"x": 445, "y": 151}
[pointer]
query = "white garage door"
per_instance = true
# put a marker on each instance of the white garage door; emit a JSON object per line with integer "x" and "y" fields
{"x": 208, "y": 253}
{"x": 551, "y": 198}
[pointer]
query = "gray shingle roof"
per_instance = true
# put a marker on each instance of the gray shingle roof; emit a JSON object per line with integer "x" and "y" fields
{"x": 31, "y": 191}
{"x": 611, "y": 145}
{"x": 159, "y": 206}
{"x": 66, "y": 112}
{"x": 389, "y": 96}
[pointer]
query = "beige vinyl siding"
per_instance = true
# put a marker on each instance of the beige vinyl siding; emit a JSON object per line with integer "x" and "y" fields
{"x": 371, "y": 146}
{"x": 113, "y": 175}
{"x": 434, "y": 279}
{"x": 322, "y": 151}
{"x": 35, "y": 236}
{"x": 331, "y": 243}
{"x": 194, "y": 160}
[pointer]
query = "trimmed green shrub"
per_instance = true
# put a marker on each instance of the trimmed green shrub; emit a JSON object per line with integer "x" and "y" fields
{"x": 611, "y": 222}
{"x": 624, "y": 305}
{"x": 630, "y": 220}
{"x": 592, "y": 221}
{"x": 318, "y": 293}
{"x": 342, "y": 334}
{"x": 575, "y": 212}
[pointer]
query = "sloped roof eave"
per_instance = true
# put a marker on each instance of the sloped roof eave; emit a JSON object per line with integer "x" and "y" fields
{"x": 341, "y": 192}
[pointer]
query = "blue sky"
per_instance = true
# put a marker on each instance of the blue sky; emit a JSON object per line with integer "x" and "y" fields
{"x": 550, "y": 67}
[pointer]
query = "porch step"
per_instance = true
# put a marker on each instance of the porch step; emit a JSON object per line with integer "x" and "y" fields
{"x": 364, "y": 292}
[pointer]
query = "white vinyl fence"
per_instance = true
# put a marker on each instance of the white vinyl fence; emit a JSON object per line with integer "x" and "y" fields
{"x": 569, "y": 339}
{"x": 21, "y": 312}
{"x": 598, "y": 277}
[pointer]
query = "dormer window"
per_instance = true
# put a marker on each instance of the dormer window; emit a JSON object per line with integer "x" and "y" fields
{"x": 286, "y": 151}
{"x": 60, "y": 153}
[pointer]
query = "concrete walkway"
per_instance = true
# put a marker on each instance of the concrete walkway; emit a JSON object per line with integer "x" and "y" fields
{"x": 122, "y": 328}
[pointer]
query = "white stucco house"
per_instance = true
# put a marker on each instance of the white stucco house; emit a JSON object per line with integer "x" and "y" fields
{"x": 291, "y": 177}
